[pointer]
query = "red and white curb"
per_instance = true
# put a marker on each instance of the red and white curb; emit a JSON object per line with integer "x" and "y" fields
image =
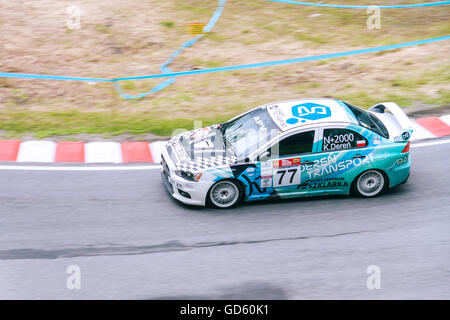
{"x": 144, "y": 152}
{"x": 431, "y": 127}
{"x": 80, "y": 152}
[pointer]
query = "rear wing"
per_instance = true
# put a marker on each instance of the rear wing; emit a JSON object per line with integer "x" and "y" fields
{"x": 396, "y": 121}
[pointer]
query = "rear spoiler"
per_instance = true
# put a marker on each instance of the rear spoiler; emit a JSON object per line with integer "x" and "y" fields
{"x": 405, "y": 124}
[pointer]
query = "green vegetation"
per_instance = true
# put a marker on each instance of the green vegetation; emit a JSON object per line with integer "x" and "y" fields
{"x": 129, "y": 84}
{"x": 70, "y": 122}
{"x": 167, "y": 24}
{"x": 45, "y": 124}
{"x": 307, "y": 37}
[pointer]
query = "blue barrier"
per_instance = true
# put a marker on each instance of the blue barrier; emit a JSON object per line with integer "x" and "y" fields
{"x": 295, "y": 60}
{"x": 47, "y": 77}
{"x": 362, "y": 7}
{"x": 164, "y": 67}
{"x": 236, "y": 67}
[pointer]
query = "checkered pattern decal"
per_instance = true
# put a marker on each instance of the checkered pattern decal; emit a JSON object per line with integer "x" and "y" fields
{"x": 201, "y": 163}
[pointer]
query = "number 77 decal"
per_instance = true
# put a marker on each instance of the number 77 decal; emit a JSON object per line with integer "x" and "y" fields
{"x": 287, "y": 177}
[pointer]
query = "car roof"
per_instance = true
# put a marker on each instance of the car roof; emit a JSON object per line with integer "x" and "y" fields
{"x": 297, "y": 113}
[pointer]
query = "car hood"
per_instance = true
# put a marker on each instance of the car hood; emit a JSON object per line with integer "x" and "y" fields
{"x": 199, "y": 149}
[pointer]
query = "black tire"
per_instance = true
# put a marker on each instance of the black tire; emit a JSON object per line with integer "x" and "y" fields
{"x": 225, "y": 194}
{"x": 370, "y": 183}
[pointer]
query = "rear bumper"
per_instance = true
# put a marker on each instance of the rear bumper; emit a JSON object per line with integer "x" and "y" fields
{"x": 399, "y": 174}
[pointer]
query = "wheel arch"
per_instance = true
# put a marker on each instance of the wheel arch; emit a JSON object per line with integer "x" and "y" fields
{"x": 238, "y": 182}
{"x": 387, "y": 184}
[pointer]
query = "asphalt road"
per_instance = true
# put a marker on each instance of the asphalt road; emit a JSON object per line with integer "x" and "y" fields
{"x": 131, "y": 240}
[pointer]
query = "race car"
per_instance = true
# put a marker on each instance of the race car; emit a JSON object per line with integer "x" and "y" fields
{"x": 289, "y": 149}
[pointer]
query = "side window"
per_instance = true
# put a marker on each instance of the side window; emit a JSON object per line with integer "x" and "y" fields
{"x": 342, "y": 139}
{"x": 293, "y": 145}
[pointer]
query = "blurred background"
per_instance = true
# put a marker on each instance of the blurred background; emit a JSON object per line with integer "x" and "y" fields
{"x": 117, "y": 38}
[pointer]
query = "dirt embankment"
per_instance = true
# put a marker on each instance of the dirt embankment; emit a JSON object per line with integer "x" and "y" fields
{"x": 121, "y": 38}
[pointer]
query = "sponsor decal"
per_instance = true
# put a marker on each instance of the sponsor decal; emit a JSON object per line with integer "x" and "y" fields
{"x": 329, "y": 165}
{"x": 277, "y": 115}
{"x": 266, "y": 168}
{"x": 179, "y": 186}
{"x": 286, "y": 162}
{"x": 251, "y": 169}
{"x": 406, "y": 135}
{"x": 342, "y": 142}
{"x": 308, "y": 111}
{"x": 402, "y": 160}
{"x": 259, "y": 122}
{"x": 179, "y": 151}
{"x": 376, "y": 140}
{"x": 339, "y": 138}
{"x": 266, "y": 181}
{"x": 336, "y": 146}
{"x": 324, "y": 183}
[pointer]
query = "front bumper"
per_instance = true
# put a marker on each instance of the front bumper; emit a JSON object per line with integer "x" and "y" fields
{"x": 188, "y": 192}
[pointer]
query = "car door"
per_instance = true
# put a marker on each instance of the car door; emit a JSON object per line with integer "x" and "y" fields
{"x": 343, "y": 155}
{"x": 281, "y": 165}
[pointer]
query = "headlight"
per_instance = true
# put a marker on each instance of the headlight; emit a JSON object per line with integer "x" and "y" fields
{"x": 188, "y": 175}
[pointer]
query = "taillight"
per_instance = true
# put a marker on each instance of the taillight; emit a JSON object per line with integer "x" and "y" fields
{"x": 406, "y": 148}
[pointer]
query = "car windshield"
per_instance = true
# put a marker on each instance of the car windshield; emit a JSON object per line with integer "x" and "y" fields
{"x": 250, "y": 131}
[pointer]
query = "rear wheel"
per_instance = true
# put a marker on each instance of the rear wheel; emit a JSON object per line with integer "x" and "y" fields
{"x": 225, "y": 194}
{"x": 369, "y": 183}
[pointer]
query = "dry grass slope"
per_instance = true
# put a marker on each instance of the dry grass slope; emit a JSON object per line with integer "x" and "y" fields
{"x": 121, "y": 38}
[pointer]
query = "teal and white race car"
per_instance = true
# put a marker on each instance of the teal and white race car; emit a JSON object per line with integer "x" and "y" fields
{"x": 290, "y": 149}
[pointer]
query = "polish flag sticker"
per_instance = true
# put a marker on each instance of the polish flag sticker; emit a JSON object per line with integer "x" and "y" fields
{"x": 361, "y": 143}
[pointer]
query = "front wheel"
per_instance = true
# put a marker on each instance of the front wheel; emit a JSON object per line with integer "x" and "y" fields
{"x": 369, "y": 183}
{"x": 225, "y": 194}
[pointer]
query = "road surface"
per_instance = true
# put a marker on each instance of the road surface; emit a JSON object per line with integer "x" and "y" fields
{"x": 131, "y": 240}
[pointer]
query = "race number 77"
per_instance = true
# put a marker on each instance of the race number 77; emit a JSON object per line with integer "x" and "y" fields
{"x": 287, "y": 177}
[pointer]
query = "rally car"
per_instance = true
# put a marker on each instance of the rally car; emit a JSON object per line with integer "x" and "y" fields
{"x": 290, "y": 149}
